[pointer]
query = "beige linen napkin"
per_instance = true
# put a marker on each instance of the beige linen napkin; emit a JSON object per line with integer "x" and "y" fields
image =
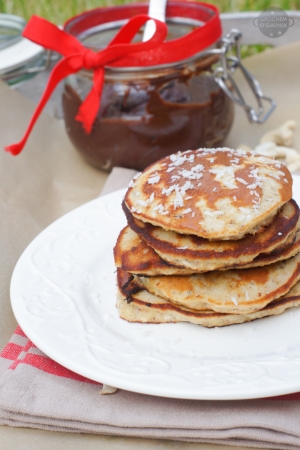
{"x": 39, "y": 393}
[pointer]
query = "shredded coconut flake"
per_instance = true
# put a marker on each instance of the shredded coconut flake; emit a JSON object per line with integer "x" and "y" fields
{"x": 187, "y": 185}
{"x": 178, "y": 201}
{"x": 142, "y": 202}
{"x": 160, "y": 209}
{"x": 214, "y": 213}
{"x": 274, "y": 175}
{"x": 241, "y": 180}
{"x": 234, "y": 300}
{"x": 190, "y": 174}
{"x": 178, "y": 160}
{"x": 244, "y": 210}
{"x": 154, "y": 179}
{"x": 230, "y": 185}
{"x": 169, "y": 190}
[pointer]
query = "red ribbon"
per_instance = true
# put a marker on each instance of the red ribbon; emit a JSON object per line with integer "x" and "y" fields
{"x": 77, "y": 57}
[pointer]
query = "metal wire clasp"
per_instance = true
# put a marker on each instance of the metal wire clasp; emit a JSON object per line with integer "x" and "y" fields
{"x": 223, "y": 76}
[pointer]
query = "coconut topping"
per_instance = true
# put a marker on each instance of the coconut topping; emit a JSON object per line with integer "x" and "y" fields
{"x": 229, "y": 171}
{"x": 187, "y": 211}
{"x": 240, "y": 180}
{"x": 154, "y": 179}
{"x": 234, "y": 300}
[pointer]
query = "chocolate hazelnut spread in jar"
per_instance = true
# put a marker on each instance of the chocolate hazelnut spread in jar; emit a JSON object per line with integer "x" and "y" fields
{"x": 148, "y": 111}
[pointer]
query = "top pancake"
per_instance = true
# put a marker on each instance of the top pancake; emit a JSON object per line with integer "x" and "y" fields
{"x": 218, "y": 194}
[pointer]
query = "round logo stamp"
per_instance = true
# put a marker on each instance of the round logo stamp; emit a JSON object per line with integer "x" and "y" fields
{"x": 273, "y": 22}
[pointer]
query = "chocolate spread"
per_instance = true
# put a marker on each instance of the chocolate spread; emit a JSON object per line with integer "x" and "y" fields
{"x": 143, "y": 120}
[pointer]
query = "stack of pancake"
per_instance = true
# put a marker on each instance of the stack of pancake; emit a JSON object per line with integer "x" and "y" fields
{"x": 212, "y": 238}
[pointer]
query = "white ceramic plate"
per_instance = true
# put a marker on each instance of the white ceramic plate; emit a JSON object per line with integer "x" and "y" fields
{"x": 63, "y": 295}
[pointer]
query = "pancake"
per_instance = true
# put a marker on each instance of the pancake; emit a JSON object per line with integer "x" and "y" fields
{"x": 144, "y": 307}
{"x": 147, "y": 308}
{"x": 217, "y": 194}
{"x": 201, "y": 255}
{"x": 238, "y": 291}
{"x": 286, "y": 252}
{"x": 133, "y": 255}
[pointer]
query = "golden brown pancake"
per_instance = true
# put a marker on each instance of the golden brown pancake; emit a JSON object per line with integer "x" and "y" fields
{"x": 285, "y": 252}
{"x": 144, "y": 307}
{"x": 218, "y": 194}
{"x": 238, "y": 291}
{"x": 133, "y": 255}
{"x": 201, "y": 255}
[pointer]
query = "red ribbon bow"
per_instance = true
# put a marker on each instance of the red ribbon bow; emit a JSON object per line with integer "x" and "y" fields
{"x": 77, "y": 57}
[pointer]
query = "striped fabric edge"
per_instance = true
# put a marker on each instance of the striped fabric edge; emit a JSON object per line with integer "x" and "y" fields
{"x": 20, "y": 350}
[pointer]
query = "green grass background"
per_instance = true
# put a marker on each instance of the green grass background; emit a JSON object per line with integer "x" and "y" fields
{"x": 58, "y": 11}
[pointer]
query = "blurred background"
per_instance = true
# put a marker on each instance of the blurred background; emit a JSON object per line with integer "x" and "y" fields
{"x": 59, "y": 11}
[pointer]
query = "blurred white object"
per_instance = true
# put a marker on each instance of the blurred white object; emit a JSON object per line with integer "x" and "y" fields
{"x": 106, "y": 389}
{"x": 157, "y": 10}
{"x": 20, "y": 58}
{"x": 277, "y": 144}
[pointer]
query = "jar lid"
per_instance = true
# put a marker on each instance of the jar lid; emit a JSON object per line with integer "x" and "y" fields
{"x": 203, "y": 19}
{"x": 16, "y": 52}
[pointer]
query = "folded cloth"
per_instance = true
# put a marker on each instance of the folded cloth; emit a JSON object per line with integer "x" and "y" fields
{"x": 37, "y": 392}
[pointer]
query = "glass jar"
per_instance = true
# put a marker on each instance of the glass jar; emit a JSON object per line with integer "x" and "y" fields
{"x": 20, "y": 59}
{"x": 159, "y": 107}
{"x": 149, "y": 114}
